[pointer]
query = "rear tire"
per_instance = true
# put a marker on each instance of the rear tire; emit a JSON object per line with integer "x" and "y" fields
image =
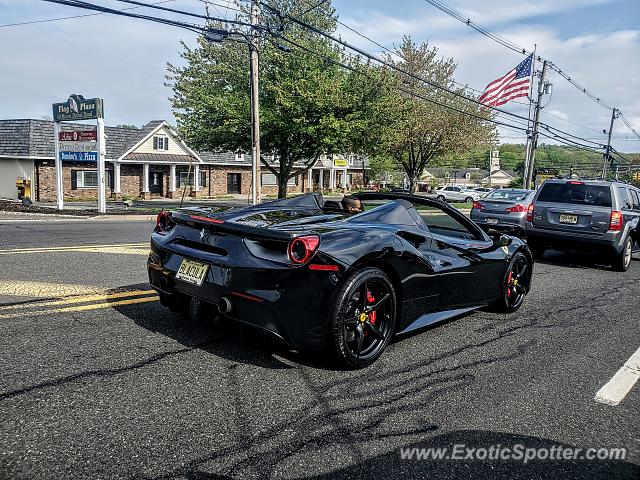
{"x": 622, "y": 260}
{"x": 441, "y": 198}
{"x": 468, "y": 200}
{"x": 358, "y": 332}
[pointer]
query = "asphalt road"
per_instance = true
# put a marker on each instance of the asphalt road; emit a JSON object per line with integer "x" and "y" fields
{"x": 99, "y": 381}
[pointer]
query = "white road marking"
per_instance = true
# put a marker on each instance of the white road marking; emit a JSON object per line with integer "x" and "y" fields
{"x": 621, "y": 383}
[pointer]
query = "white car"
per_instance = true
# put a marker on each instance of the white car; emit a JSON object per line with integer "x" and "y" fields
{"x": 454, "y": 193}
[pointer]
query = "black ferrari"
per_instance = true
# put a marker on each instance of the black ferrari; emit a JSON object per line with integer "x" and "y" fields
{"x": 324, "y": 276}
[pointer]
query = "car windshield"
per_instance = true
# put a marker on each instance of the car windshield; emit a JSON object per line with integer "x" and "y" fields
{"x": 516, "y": 195}
{"x": 576, "y": 193}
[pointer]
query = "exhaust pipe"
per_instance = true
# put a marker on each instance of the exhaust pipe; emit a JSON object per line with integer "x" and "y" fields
{"x": 224, "y": 305}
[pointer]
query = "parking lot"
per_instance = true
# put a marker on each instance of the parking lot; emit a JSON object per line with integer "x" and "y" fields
{"x": 100, "y": 381}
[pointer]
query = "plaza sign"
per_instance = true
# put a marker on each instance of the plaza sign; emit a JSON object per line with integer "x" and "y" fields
{"x": 78, "y": 108}
{"x": 80, "y": 145}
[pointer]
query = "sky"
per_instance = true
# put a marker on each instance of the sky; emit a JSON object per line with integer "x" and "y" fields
{"x": 123, "y": 61}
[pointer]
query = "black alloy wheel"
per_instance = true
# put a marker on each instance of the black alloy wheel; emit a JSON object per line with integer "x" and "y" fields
{"x": 363, "y": 319}
{"x": 516, "y": 283}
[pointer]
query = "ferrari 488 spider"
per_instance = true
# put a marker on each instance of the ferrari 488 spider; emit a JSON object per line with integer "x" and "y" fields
{"x": 324, "y": 277}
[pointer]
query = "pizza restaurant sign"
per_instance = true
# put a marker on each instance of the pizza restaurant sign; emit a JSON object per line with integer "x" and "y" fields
{"x": 78, "y": 108}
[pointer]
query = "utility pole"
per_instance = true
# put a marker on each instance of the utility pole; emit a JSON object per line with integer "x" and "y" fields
{"x": 536, "y": 126}
{"x": 255, "y": 107}
{"x": 607, "y": 152}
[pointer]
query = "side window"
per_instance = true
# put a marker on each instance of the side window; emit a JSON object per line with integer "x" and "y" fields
{"x": 448, "y": 189}
{"x": 624, "y": 197}
{"x": 440, "y": 222}
{"x": 636, "y": 199}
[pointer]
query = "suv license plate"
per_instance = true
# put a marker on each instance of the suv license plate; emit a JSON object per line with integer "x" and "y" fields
{"x": 192, "y": 272}
{"x": 573, "y": 219}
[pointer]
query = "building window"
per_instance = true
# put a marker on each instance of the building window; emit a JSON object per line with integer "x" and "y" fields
{"x": 161, "y": 142}
{"x": 351, "y": 159}
{"x": 88, "y": 179}
{"x": 270, "y": 180}
{"x": 239, "y": 156}
{"x": 182, "y": 179}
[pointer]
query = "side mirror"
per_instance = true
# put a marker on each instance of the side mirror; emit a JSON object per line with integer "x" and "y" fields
{"x": 502, "y": 241}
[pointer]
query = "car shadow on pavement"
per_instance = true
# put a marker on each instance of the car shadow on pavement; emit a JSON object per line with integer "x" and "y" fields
{"x": 576, "y": 260}
{"x": 215, "y": 334}
{"x": 474, "y": 444}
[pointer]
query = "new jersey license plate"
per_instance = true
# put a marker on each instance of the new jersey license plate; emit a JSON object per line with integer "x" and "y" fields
{"x": 192, "y": 272}
{"x": 564, "y": 218}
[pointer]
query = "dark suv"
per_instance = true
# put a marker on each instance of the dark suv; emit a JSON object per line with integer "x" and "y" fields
{"x": 585, "y": 215}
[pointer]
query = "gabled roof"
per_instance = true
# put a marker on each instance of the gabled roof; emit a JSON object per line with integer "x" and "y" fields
{"x": 34, "y": 138}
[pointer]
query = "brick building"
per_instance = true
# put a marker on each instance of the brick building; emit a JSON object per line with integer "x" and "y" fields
{"x": 150, "y": 162}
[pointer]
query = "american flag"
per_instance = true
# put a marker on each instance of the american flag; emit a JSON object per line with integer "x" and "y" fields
{"x": 514, "y": 84}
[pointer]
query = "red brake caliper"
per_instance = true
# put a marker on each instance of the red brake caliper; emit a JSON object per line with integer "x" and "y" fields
{"x": 370, "y": 299}
{"x": 509, "y": 283}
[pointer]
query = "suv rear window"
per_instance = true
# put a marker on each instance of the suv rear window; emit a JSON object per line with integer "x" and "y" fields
{"x": 576, "y": 193}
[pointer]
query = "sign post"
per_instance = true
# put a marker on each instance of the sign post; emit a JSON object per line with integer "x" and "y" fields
{"x": 80, "y": 146}
{"x": 58, "y": 164}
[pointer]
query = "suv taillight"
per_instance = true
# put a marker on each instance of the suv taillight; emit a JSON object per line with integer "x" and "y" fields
{"x": 477, "y": 205}
{"x": 530, "y": 212}
{"x": 301, "y": 249}
{"x": 517, "y": 208}
{"x": 615, "y": 221}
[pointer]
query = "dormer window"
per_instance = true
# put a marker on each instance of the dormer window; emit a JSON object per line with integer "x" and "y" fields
{"x": 467, "y": 176}
{"x": 239, "y": 156}
{"x": 161, "y": 142}
{"x": 351, "y": 159}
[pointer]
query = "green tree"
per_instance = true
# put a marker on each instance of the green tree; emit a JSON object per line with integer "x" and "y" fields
{"x": 417, "y": 130}
{"x": 308, "y": 105}
{"x": 130, "y": 126}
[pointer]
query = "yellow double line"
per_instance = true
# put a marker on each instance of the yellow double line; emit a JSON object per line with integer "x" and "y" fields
{"x": 72, "y": 304}
{"x": 122, "y": 248}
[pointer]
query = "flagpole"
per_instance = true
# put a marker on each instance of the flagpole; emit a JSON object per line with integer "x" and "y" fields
{"x": 527, "y": 148}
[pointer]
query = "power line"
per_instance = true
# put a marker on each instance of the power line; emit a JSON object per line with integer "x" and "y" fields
{"x": 551, "y": 135}
{"x": 626, "y": 122}
{"x": 72, "y": 16}
{"x": 416, "y": 77}
{"x": 516, "y": 48}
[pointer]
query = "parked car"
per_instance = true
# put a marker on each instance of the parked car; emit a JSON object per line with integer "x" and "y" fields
{"x": 503, "y": 209}
{"x": 585, "y": 215}
{"x": 454, "y": 193}
{"x": 483, "y": 190}
{"x": 340, "y": 283}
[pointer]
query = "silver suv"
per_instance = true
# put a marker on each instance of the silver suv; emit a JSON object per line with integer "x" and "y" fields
{"x": 585, "y": 215}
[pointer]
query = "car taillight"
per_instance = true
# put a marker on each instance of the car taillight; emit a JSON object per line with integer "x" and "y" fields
{"x": 301, "y": 249}
{"x": 478, "y": 206}
{"x": 615, "y": 221}
{"x": 164, "y": 223}
{"x": 530, "y": 212}
{"x": 517, "y": 208}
